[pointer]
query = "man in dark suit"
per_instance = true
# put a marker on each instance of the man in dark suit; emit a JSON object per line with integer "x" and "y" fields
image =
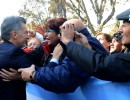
{"x": 14, "y": 34}
{"x": 115, "y": 67}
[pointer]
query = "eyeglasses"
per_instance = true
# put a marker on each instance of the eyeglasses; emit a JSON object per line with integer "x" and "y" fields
{"x": 50, "y": 31}
{"x": 33, "y": 45}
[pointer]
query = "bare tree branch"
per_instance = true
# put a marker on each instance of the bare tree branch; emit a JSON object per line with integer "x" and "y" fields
{"x": 75, "y": 6}
{"x": 111, "y": 14}
{"x": 75, "y": 9}
{"x": 79, "y": 2}
{"x": 97, "y": 7}
{"x": 88, "y": 19}
{"x": 93, "y": 6}
{"x": 103, "y": 3}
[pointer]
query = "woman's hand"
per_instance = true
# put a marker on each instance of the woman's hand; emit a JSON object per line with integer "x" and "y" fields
{"x": 57, "y": 51}
{"x": 40, "y": 29}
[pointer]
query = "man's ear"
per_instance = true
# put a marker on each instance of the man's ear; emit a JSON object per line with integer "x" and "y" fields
{"x": 13, "y": 35}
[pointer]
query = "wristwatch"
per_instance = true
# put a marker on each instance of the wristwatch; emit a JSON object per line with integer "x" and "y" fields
{"x": 32, "y": 74}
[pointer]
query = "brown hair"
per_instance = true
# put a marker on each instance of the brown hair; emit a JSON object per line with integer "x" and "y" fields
{"x": 107, "y": 36}
{"x": 54, "y": 24}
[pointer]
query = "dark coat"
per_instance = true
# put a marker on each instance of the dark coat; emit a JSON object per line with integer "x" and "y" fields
{"x": 66, "y": 76}
{"x": 114, "y": 67}
{"x": 62, "y": 78}
{"x": 12, "y": 56}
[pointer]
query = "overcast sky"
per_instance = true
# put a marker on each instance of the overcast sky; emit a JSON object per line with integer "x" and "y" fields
{"x": 9, "y": 7}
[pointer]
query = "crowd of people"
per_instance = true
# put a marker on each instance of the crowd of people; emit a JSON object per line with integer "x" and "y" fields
{"x": 62, "y": 55}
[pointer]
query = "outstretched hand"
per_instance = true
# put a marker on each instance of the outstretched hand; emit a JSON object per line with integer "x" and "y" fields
{"x": 40, "y": 29}
{"x": 10, "y": 75}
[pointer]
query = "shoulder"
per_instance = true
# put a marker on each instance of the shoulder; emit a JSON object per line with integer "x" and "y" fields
{"x": 7, "y": 47}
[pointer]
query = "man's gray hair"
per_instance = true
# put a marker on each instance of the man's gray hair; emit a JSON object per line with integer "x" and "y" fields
{"x": 10, "y": 24}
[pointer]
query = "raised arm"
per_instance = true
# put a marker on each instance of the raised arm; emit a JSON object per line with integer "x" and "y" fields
{"x": 114, "y": 67}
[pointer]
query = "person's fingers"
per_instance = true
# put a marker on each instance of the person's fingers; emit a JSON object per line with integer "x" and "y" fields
{"x": 61, "y": 27}
{"x": 32, "y": 66}
{"x": 3, "y": 75}
{"x": 13, "y": 70}
{"x": 71, "y": 26}
{"x": 5, "y": 80}
{"x": 6, "y": 72}
{"x": 20, "y": 70}
{"x": 67, "y": 26}
{"x": 77, "y": 37}
{"x": 58, "y": 44}
{"x": 78, "y": 34}
{"x": 60, "y": 49}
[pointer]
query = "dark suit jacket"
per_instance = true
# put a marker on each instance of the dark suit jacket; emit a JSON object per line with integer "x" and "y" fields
{"x": 12, "y": 56}
{"x": 114, "y": 67}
